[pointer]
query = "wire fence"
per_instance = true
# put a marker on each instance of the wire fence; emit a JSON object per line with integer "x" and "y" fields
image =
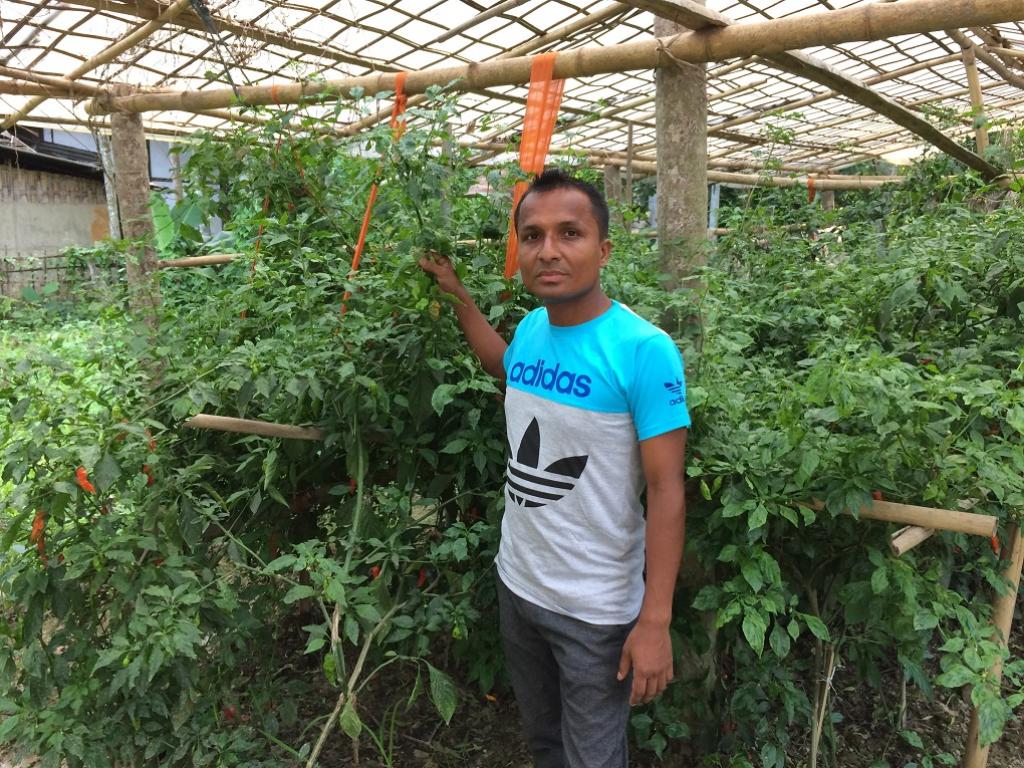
{"x": 24, "y": 273}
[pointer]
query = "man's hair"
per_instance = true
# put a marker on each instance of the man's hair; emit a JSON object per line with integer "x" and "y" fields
{"x": 556, "y": 178}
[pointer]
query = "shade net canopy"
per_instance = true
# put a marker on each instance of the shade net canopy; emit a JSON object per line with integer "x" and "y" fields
{"x": 757, "y": 114}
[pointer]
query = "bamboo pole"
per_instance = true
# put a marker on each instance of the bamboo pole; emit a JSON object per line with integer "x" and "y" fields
{"x": 830, "y": 94}
{"x": 199, "y": 261}
{"x": 496, "y": 10}
{"x": 905, "y": 539}
{"x": 17, "y": 88}
{"x": 977, "y": 100}
{"x": 556, "y": 35}
{"x": 817, "y": 71}
{"x": 107, "y": 55}
{"x": 805, "y": 66}
{"x": 997, "y": 66}
{"x": 1014, "y": 52}
{"x": 148, "y": 9}
{"x": 56, "y": 83}
{"x": 1002, "y": 618}
{"x": 756, "y": 180}
{"x": 926, "y": 517}
{"x": 862, "y": 22}
{"x": 253, "y": 427}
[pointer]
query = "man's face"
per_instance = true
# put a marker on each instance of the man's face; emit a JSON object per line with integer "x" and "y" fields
{"x": 561, "y": 251}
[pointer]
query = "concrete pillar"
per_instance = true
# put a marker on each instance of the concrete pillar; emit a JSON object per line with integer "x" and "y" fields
{"x": 131, "y": 163}
{"x": 681, "y": 124}
{"x": 828, "y": 199}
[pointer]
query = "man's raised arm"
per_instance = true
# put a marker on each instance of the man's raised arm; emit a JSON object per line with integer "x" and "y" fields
{"x": 482, "y": 338}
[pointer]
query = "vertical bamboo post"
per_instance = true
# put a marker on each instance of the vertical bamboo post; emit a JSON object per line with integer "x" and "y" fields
{"x": 106, "y": 153}
{"x": 628, "y": 196}
{"x": 681, "y": 120}
{"x": 131, "y": 159}
{"x": 977, "y": 101}
{"x": 828, "y": 199}
{"x": 1002, "y": 618}
{"x": 613, "y": 192}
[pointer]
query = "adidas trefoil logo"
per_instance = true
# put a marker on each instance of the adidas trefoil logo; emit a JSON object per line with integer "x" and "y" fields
{"x": 532, "y": 487}
{"x": 677, "y": 390}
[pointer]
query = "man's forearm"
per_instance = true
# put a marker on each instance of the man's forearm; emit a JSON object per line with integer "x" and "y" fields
{"x": 666, "y": 526}
{"x": 483, "y": 339}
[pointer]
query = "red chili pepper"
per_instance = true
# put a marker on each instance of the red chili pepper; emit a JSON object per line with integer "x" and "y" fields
{"x": 996, "y": 546}
{"x": 375, "y": 572}
{"x": 38, "y": 535}
{"x": 352, "y": 484}
{"x": 421, "y": 579}
{"x": 877, "y": 495}
{"x": 82, "y": 478}
{"x": 148, "y": 474}
{"x": 152, "y": 441}
{"x": 229, "y": 712}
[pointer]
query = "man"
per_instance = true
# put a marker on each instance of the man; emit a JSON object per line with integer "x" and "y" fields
{"x": 595, "y": 408}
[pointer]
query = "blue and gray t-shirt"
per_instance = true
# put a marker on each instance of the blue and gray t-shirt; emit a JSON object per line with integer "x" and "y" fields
{"x": 579, "y": 399}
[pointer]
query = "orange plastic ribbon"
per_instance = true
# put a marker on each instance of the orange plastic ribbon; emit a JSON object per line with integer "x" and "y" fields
{"x": 542, "y": 104}
{"x": 397, "y": 129}
{"x": 811, "y": 191}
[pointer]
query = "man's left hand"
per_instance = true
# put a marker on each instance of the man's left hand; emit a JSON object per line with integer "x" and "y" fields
{"x": 648, "y": 651}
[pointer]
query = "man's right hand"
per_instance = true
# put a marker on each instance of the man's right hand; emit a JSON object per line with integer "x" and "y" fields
{"x": 444, "y": 273}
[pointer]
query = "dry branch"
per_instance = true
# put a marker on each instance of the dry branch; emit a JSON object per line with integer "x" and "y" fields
{"x": 863, "y": 22}
{"x": 252, "y": 427}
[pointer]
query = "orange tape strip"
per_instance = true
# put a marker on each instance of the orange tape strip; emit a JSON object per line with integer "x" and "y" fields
{"x": 542, "y": 105}
{"x": 397, "y": 127}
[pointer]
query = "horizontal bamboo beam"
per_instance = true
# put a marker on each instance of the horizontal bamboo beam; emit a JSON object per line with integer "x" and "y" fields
{"x": 905, "y": 539}
{"x": 825, "y": 182}
{"x": 21, "y": 88}
{"x": 1016, "y": 53}
{"x": 927, "y": 517}
{"x": 870, "y": 21}
{"x": 252, "y": 427}
{"x": 108, "y": 54}
{"x": 199, "y": 261}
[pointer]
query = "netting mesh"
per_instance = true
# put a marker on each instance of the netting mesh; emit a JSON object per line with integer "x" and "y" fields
{"x": 756, "y": 112}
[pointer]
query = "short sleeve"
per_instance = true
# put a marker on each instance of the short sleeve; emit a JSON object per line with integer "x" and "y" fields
{"x": 657, "y": 393}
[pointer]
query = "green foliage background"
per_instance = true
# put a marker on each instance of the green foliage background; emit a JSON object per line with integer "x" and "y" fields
{"x": 881, "y": 354}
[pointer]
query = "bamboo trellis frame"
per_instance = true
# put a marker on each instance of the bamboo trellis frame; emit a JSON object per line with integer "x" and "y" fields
{"x": 907, "y": 70}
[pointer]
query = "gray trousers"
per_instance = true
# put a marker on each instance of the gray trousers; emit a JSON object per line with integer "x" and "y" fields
{"x": 574, "y": 711}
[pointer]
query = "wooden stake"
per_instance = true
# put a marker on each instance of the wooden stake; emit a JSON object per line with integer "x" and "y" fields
{"x": 869, "y": 21}
{"x": 108, "y": 55}
{"x": 1002, "y": 618}
{"x": 199, "y": 261}
{"x": 905, "y": 539}
{"x": 252, "y": 427}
